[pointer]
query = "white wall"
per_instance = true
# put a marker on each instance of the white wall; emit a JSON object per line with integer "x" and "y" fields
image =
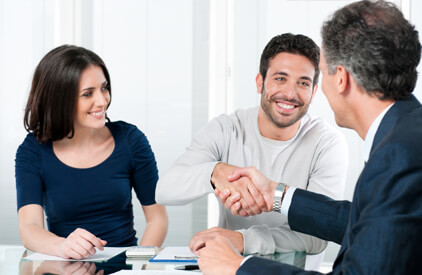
{"x": 24, "y": 35}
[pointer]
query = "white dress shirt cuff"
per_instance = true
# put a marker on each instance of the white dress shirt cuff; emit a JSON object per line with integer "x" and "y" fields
{"x": 285, "y": 205}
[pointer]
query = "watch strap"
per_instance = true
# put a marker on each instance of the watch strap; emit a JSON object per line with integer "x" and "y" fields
{"x": 278, "y": 197}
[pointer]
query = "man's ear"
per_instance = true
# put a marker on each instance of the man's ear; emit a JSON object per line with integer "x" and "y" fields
{"x": 342, "y": 79}
{"x": 259, "y": 82}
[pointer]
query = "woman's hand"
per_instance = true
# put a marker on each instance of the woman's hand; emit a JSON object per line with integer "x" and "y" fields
{"x": 80, "y": 244}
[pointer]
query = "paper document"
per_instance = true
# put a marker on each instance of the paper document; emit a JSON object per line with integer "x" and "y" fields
{"x": 100, "y": 256}
{"x": 175, "y": 254}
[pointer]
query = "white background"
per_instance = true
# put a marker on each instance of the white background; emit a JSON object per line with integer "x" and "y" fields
{"x": 173, "y": 65}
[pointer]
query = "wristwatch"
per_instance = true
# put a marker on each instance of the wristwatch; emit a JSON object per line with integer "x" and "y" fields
{"x": 278, "y": 197}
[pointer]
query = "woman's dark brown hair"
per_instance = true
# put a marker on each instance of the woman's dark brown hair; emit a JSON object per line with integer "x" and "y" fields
{"x": 51, "y": 103}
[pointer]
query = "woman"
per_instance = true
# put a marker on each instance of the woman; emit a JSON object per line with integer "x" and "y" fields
{"x": 77, "y": 167}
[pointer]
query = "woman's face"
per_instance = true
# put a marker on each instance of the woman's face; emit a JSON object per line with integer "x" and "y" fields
{"x": 93, "y": 99}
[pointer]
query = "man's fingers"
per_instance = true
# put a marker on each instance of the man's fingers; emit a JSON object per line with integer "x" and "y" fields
{"x": 240, "y": 172}
{"x": 247, "y": 207}
{"x": 198, "y": 245}
{"x": 250, "y": 206}
{"x": 236, "y": 207}
{"x": 243, "y": 213}
{"x": 223, "y": 195}
{"x": 231, "y": 200}
{"x": 198, "y": 242}
{"x": 259, "y": 199}
{"x": 248, "y": 201}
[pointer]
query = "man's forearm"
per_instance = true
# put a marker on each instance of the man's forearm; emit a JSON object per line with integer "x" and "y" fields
{"x": 183, "y": 183}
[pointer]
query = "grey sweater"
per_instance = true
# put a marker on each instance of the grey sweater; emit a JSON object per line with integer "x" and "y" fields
{"x": 316, "y": 159}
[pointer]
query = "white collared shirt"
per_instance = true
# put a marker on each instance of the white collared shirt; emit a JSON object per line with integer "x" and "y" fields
{"x": 370, "y": 135}
{"x": 369, "y": 139}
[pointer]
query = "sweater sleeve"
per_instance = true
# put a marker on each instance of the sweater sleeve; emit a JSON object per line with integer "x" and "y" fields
{"x": 189, "y": 177}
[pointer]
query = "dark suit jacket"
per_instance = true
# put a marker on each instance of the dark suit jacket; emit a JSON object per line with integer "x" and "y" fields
{"x": 381, "y": 231}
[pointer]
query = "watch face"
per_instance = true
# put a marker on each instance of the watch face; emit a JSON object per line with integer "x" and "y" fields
{"x": 280, "y": 186}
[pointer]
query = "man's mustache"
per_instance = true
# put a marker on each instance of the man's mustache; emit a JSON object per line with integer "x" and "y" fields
{"x": 283, "y": 98}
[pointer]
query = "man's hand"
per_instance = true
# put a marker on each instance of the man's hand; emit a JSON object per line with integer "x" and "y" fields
{"x": 219, "y": 257}
{"x": 80, "y": 244}
{"x": 240, "y": 188}
{"x": 201, "y": 238}
{"x": 262, "y": 187}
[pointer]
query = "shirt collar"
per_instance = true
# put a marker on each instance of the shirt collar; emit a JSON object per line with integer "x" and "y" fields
{"x": 369, "y": 139}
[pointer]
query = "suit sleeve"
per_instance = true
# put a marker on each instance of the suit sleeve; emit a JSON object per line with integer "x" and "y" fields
{"x": 189, "y": 177}
{"x": 319, "y": 215}
{"x": 261, "y": 266}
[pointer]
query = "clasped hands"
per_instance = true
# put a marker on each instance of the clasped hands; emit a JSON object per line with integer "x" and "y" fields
{"x": 243, "y": 191}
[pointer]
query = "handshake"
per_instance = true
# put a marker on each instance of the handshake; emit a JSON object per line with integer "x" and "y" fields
{"x": 243, "y": 191}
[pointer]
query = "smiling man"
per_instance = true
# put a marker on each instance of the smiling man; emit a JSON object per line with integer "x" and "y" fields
{"x": 279, "y": 137}
{"x": 369, "y": 60}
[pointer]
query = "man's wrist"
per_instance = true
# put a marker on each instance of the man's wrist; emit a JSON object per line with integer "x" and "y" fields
{"x": 213, "y": 175}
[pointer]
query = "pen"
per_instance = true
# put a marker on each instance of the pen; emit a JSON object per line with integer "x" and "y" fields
{"x": 187, "y": 267}
{"x": 186, "y": 257}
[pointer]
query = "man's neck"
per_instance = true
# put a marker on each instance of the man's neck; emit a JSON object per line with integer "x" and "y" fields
{"x": 366, "y": 111}
{"x": 269, "y": 130}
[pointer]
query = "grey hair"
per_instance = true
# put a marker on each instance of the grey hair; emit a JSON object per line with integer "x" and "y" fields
{"x": 376, "y": 45}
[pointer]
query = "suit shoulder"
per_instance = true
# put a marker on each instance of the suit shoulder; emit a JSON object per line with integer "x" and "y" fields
{"x": 407, "y": 131}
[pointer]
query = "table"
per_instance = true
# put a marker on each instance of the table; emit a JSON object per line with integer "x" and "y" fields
{"x": 11, "y": 263}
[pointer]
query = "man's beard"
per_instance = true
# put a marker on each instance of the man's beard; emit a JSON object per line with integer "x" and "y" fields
{"x": 266, "y": 107}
